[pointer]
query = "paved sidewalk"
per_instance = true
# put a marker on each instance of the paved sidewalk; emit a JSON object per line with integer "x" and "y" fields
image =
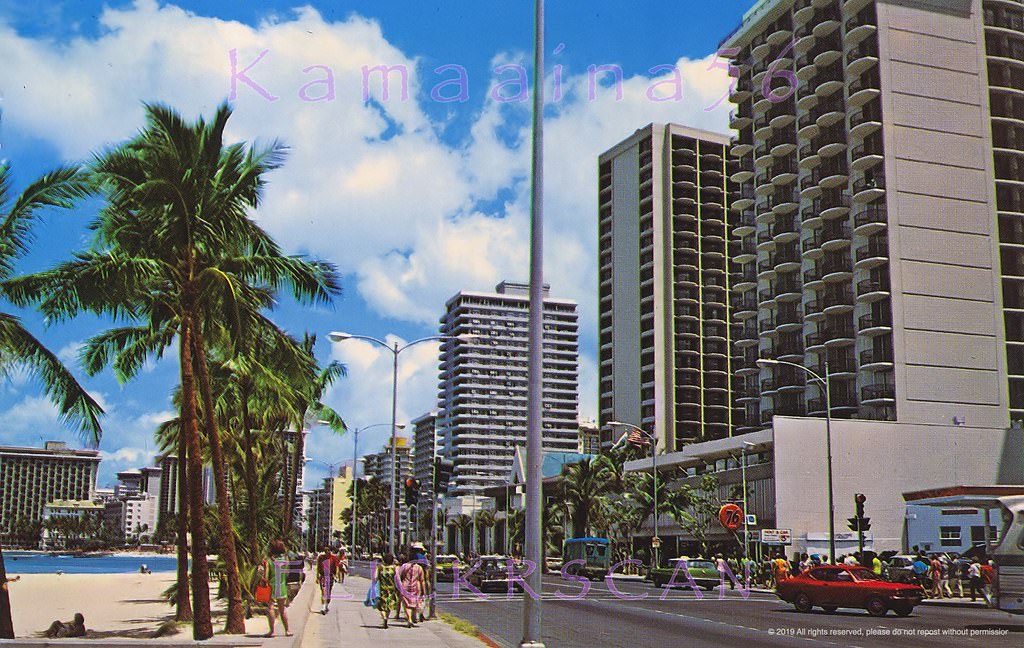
{"x": 352, "y": 624}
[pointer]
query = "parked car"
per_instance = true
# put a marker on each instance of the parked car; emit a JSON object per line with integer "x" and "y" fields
{"x": 900, "y": 569}
{"x": 492, "y": 573}
{"x": 703, "y": 572}
{"x": 445, "y": 567}
{"x": 834, "y": 586}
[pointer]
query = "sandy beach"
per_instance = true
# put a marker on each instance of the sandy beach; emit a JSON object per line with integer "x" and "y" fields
{"x": 114, "y": 605}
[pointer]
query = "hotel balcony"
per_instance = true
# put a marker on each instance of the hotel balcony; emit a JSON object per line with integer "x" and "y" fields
{"x": 827, "y": 21}
{"x": 867, "y": 154}
{"x": 876, "y": 359}
{"x": 873, "y": 253}
{"x": 871, "y": 218}
{"x": 878, "y": 394}
{"x": 867, "y": 120}
{"x": 874, "y": 324}
{"x": 865, "y": 88}
{"x": 862, "y": 57}
{"x": 869, "y": 187}
{"x": 803, "y": 11}
{"x": 830, "y": 79}
{"x": 874, "y": 289}
{"x": 740, "y": 118}
{"x": 861, "y": 26}
{"x": 836, "y": 300}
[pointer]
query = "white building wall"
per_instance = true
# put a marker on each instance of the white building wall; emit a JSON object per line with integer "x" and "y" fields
{"x": 943, "y": 236}
{"x": 883, "y": 460}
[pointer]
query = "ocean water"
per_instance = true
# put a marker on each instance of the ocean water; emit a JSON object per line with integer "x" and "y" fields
{"x": 22, "y": 562}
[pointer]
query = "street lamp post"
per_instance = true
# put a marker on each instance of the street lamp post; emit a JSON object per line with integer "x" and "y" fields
{"x": 532, "y": 611}
{"x": 395, "y": 349}
{"x": 654, "y": 497}
{"x": 743, "y": 473}
{"x": 828, "y": 442}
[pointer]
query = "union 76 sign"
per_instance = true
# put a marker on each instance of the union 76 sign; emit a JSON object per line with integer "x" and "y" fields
{"x": 731, "y": 516}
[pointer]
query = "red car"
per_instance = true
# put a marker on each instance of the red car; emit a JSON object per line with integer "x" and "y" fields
{"x": 834, "y": 586}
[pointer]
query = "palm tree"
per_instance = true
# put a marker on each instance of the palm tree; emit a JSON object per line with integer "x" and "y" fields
{"x": 462, "y": 523}
{"x": 484, "y": 520}
{"x": 176, "y": 250}
{"x": 18, "y": 347}
{"x": 583, "y": 485}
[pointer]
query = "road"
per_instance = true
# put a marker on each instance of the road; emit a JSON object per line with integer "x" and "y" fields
{"x": 604, "y": 618}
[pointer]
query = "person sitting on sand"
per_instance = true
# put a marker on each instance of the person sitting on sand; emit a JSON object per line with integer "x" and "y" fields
{"x": 60, "y": 629}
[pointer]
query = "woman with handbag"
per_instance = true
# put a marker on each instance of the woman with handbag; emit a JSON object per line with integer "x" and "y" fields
{"x": 273, "y": 586}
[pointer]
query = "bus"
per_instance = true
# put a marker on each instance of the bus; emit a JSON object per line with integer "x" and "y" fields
{"x": 1006, "y": 550}
{"x": 1008, "y": 555}
{"x": 593, "y": 556}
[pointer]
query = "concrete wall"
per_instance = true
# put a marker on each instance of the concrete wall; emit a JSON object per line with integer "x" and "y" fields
{"x": 882, "y": 460}
{"x": 947, "y": 326}
{"x": 626, "y": 296}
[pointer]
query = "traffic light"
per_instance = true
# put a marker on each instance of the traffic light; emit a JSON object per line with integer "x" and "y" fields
{"x": 442, "y": 474}
{"x": 412, "y": 490}
{"x": 858, "y": 500}
{"x": 859, "y": 523}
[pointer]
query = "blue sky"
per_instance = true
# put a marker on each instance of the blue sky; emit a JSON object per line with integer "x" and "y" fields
{"x": 413, "y": 199}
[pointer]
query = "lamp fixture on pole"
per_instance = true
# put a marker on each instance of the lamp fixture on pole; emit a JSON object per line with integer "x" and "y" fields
{"x": 824, "y": 381}
{"x": 396, "y": 350}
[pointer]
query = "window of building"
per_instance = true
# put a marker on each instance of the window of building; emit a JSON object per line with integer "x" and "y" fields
{"x": 949, "y": 536}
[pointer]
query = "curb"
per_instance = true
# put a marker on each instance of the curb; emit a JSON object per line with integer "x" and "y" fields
{"x": 485, "y": 640}
{"x": 952, "y": 603}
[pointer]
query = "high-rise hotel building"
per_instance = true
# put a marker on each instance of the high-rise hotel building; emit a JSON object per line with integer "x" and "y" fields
{"x": 666, "y": 322}
{"x": 31, "y": 478}
{"x": 881, "y": 161}
{"x": 483, "y": 381}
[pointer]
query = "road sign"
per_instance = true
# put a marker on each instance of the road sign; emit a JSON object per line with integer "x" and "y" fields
{"x": 655, "y": 542}
{"x": 751, "y": 519}
{"x": 777, "y": 536}
{"x": 731, "y": 516}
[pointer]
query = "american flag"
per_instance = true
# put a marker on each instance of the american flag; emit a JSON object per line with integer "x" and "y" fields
{"x": 637, "y": 440}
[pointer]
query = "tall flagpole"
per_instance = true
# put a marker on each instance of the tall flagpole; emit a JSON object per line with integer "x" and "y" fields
{"x": 534, "y": 413}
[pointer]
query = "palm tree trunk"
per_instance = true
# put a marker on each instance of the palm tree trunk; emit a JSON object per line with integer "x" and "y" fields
{"x": 6, "y": 623}
{"x": 250, "y": 474}
{"x": 236, "y": 613}
{"x": 182, "y": 600}
{"x": 202, "y": 626}
{"x": 293, "y": 481}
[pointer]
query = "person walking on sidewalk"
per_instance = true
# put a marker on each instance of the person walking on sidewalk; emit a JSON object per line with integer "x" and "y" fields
{"x": 413, "y": 584}
{"x": 974, "y": 574}
{"x": 387, "y": 598}
{"x": 274, "y": 572}
{"x": 325, "y": 572}
{"x": 935, "y": 572}
{"x": 340, "y": 565}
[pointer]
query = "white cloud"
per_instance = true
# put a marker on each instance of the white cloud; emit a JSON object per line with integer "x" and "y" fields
{"x": 68, "y": 354}
{"x": 371, "y": 186}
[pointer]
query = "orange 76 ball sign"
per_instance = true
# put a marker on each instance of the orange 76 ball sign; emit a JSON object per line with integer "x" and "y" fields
{"x": 731, "y": 516}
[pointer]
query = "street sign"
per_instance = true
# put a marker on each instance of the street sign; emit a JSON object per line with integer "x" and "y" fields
{"x": 655, "y": 542}
{"x": 777, "y": 536}
{"x": 751, "y": 519}
{"x": 731, "y": 516}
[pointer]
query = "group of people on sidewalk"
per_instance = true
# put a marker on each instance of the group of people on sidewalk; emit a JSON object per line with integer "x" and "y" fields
{"x": 401, "y": 585}
{"x": 942, "y": 570}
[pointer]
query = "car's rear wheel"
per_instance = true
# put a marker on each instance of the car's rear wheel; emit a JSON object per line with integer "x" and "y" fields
{"x": 876, "y": 607}
{"x": 830, "y": 608}
{"x": 903, "y": 610}
{"x": 802, "y": 603}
